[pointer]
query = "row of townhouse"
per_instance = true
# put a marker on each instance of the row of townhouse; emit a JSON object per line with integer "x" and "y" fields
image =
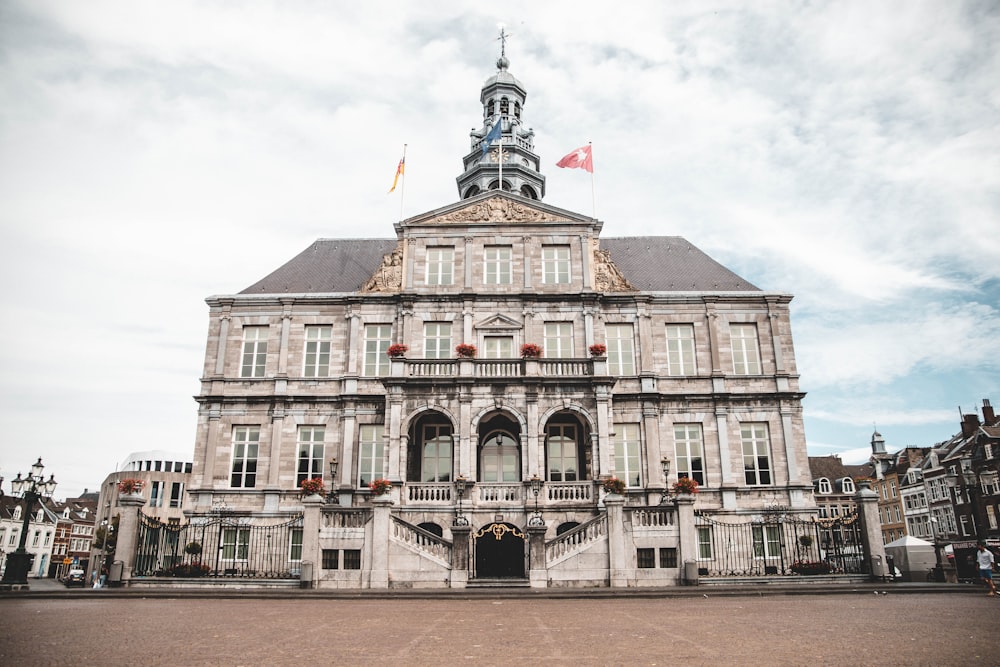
{"x": 59, "y": 533}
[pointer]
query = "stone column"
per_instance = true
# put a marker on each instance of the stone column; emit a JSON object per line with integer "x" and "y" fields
{"x": 618, "y": 561}
{"x": 687, "y": 533}
{"x": 379, "y": 575}
{"x": 871, "y": 528}
{"x": 128, "y": 532}
{"x": 538, "y": 574}
{"x": 310, "y": 538}
{"x": 460, "y": 556}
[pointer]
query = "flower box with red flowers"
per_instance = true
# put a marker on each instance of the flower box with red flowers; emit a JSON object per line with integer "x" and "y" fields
{"x": 685, "y": 485}
{"x": 465, "y": 350}
{"x": 312, "y": 487}
{"x": 397, "y": 350}
{"x": 531, "y": 351}
{"x": 598, "y": 350}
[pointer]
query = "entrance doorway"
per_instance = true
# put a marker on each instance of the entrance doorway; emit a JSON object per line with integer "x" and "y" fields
{"x": 499, "y": 551}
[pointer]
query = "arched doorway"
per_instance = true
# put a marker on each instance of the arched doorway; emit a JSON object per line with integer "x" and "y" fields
{"x": 500, "y": 551}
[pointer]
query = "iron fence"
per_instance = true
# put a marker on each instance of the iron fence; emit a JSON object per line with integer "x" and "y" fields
{"x": 774, "y": 544}
{"x": 219, "y": 546}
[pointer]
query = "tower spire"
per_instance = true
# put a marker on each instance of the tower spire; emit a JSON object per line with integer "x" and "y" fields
{"x": 508, "y": 163}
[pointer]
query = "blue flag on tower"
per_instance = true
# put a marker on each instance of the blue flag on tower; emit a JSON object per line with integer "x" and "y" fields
{"x": 493, "y": 135}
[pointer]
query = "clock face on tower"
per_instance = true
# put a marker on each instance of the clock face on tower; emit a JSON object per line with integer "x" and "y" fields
{"x": 495, "y": 155}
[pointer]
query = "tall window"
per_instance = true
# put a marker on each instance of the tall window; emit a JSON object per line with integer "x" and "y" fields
{"x": 254, "y": 352}
{"x": 627, "y": 459}
{"x": 235, "y": 543}
{"x": 766, "y": 541}
{"x": 500, "y": 458}
{"x": 688, "y": 449}
{"x": 563, "y": 462}
{"x": 497, "y": 266}
{"x": 376, "y": 345}
{"x": 621, "y": 353}
{"x": 295, "y": 545}
{"x": 370, "y": 458}
{"x": 440, "y": 266}
{"x": 246, "y": 440}
{"x": 155, "y": 494}
{"x": 555, "y": 264}
{"x": 498, "y": 347}
{"x": 437, "y": 340}
{"x": 176, "y": 494}
{"x": 310, "y": 453}
{"x": 680, "y": 349}
{"x": 825, "y": 486}
{"x": 558, "y": 340}
{"x": 746, "y": 353}
{"x": 756, "y": 457}
{"x": 436, "y": 459}
{"x": 704, "y": 542}
{"x": 317, "y": 354}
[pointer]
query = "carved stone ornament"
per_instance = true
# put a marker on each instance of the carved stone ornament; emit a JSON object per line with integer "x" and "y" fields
{"x": 389, "y": 276}
{"x": 607, "y": 276}
{"x": 496, "y": 209}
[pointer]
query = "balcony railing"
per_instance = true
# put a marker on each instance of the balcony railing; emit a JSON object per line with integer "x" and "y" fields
{"x": 498, "y": 368}
{"x": 500, "y": 493}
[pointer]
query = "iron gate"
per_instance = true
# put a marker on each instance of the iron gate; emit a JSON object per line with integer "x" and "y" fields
{"x": 218, "y": 546}
{"x": 774, "y": 544}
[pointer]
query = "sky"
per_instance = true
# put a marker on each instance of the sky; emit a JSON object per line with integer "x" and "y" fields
{"x": 153, "y": 154}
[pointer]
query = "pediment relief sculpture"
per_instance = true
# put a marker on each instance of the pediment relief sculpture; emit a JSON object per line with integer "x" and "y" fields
{"x": 497, "y": 209}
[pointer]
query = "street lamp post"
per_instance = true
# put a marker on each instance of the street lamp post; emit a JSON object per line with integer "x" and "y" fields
{"x": 461, "y": 484}
{"x": 536, "y": 488}
{"x": 333, "y": 497}
{"x": 30, "y": 488}
{"x": 665, "y": 466}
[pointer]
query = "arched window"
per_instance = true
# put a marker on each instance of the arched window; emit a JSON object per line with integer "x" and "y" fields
{"x": 528, "y": 191}
{"x": 17, "y": 512}
{"x": 504, "y": 106}
{"x": 499, "y": 458}
{"x": 494, "y": 184}
{"x": 431, "y": 527}
{"x": 430, "y": 449}
{"x": 489, "y": 109}
{"x": 566, "y": 527}
{"x": 517, "y": 109}
{"x": 848, "y": 485}
{"x": 566, "y": 458}
{"x": 824, "y": 485}
{"x": 471, "y": 192}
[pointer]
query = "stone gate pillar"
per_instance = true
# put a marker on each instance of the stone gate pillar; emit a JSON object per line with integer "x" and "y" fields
{"x": 310, "y": 540}
{"x": 379, "y": 575}
{"x": 687, "y": 534}
{"x": 460, "y": 556}
{"x": 128, "y": 533}
{"x": 618, "y": 555}
{"x": 537, "y": 572}
{"x": 871, "y": 528}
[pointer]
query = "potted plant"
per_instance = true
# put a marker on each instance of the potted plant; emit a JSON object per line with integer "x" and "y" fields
{"x": 465, "y": 350}
{"x": 614, "y": 485}
{"x": 192, "y": 548}
{"x": 130, "y": 486}
{"x": 397, "y": 350}
{"x": 809, "y": 568}
{"x": 598, "y": 350}
{"x": 685, "y": 485}
{"x": 312, "y": 487}
{"x": 531, "y": 351}
{"x": 380, "y": 486}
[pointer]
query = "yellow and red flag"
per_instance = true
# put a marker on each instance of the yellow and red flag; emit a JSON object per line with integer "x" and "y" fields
{"x": 399, "y": 172}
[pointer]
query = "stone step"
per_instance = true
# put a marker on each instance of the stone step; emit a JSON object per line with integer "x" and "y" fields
{"x": 498, "y": 582}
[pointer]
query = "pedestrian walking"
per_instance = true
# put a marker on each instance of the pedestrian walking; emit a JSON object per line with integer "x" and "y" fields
{"x": 986, "y": 561}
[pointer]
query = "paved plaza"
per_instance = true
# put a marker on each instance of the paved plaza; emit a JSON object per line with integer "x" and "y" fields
{"x": 833, "y": 629}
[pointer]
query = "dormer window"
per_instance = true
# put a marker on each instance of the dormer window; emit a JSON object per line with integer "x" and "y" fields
{"x": 847, "y": 485}
{"x": 66, "y": 513}
{"x": 825, "y": 486}
{"x": 40, "y": 516}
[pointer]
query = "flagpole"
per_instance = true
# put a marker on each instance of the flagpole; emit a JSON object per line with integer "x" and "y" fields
{"x": 593, "y": 183}
{"x": 402, "y": 185}
{"x": 500, "y": 155}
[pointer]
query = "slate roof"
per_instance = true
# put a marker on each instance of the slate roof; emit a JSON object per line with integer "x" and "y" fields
{"x": 649, "y": 263}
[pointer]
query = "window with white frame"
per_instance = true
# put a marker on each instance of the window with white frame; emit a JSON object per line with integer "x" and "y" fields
{"x": 558, "y": 342}
{"x": 246, "y": 441}
{"x": 371, "y": 454}
{"x": 497, "y": 265}
{"x": 437, "y": 451}
{"x": 310, "y": 454}
{"x": 254, "y": 352}
{"x": 295, "y": 545}
{"x": 235, "y": 544}
{"x": 377, "y": 340}
{"x": 704, "y": 542}
{"x": 621, "y": 349}
{"x": 825, "y": 486}
{"x": 498, "y": 347}
{"x": 561, "y": 453}
{"x": 746, "y": 351}
{"x": 991, "y": 516}
{"x": 555, "y": 264}
{"x": 680, "y": 349}
{"x": 317, "y": 351}
{"x": 437, "y": 340}
{"x": 628, "y": 460}
{"x": 892, "y": 488}
{"x": 767, "y": 541}
{"x": 964, "y": 521}
{"x": 756, "y": 454}
{"x": 440, "y": 266}
{"x": 155, "y": 493}
{"x": 688, "y": 452}
{"x": 847, "y": 485}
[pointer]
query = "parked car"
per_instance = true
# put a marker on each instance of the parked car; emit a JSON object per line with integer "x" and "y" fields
{"x": 74, "y": 578}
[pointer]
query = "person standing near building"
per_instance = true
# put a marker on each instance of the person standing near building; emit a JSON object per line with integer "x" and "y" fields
{"x": 985, "y": 559}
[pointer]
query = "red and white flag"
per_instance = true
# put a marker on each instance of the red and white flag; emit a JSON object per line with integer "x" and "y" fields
{"x": 581, "y": 158}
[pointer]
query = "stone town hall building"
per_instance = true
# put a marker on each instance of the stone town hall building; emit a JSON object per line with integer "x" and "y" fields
{"x": 698, "y": 380}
